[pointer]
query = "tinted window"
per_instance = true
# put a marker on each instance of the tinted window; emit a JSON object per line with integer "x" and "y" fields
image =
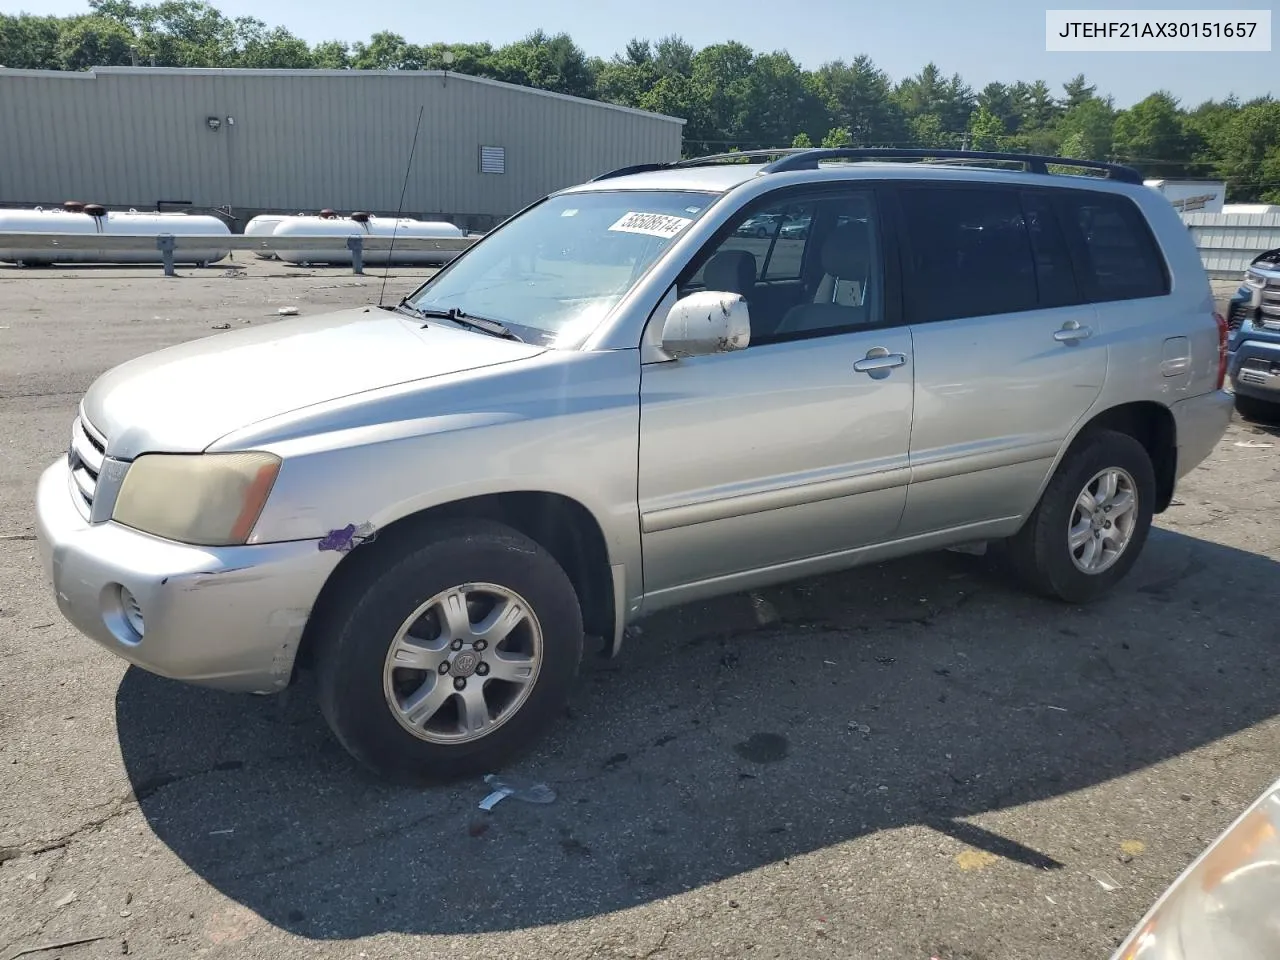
{"x": 968, "y": 253}
{"x": 1121, "y": 259}
{"x": 818, "y": 269}
{"x": 1054, "y": 275}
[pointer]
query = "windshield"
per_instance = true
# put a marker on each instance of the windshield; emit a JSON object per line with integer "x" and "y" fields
{"x": 554, "y": 272}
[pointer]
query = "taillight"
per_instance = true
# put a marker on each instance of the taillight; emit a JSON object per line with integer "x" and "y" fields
{"x": 1223, "y": 334}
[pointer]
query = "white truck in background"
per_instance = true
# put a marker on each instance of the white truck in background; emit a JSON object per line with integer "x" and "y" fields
{"x": 1192, "y": 196}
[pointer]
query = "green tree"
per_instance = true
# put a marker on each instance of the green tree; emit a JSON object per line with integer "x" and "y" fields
{"x": 998, "y": 100}
{"x": 331, "y": 55}
{"x": 28, "y": 42}
{"x": 1153, "y": 135}
{"x": 776, "y": 99}
{"x": 94, "y": 41}
{"x": 986, "y": 130}
{"x": 859, "y": 97}
{"x": 386, "y": 51}
{"x": 1088, "y": 128}
{"x": 801, "y": 141}
{"x": 838, "y": 137}
{"x": 946, "y": 99}
{"x": 1078, "y": 92}
{"x": 547, "y": 62}
{"x": 1250, "y": 152}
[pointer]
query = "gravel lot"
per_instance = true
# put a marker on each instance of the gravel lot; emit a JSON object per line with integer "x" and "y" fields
{"x": 911, "y": 760}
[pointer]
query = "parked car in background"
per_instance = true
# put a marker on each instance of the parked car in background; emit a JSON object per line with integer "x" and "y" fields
{"x": 1226, "y": 904}
{"x": 1254, "y": 346}
{"x": 796, "y": 227}
{"x": 764, "y": 225}
{"x": 531, "y": 450}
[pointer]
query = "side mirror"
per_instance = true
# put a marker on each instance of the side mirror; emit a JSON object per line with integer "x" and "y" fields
{"x": 706, "y": 322}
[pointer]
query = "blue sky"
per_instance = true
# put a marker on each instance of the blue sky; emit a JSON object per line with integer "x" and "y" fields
{"x": 982, "y": 40}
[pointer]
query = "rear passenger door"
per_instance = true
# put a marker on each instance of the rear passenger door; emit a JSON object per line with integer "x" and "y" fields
{"x": 1008, "y": 354}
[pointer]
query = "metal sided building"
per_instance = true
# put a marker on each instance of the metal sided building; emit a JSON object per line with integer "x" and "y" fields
{"x": 303, "y": 140}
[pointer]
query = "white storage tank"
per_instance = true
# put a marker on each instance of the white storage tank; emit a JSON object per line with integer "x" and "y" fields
{"x": 264, "y": 225}
{"x": 92, "y": 219}
{"x": 366, "y": 225}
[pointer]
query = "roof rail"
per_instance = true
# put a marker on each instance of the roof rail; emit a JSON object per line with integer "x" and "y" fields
{"x": 634, "y": 168}
{"x": 733, "y": 156}
{"x": 1032, "y": 163}
{"x": 737, "y": 156}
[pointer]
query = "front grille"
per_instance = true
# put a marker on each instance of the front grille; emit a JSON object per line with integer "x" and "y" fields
{"x": 1271, "y": 303}
{"x": 88, "y": 450}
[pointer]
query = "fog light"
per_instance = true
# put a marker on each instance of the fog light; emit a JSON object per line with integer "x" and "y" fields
{"x": 132, "y": 611}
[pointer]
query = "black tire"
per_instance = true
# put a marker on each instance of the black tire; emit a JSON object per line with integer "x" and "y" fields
{"x": 353, "y": 646}
{"x": 1260, "y": 411}
{"x": 1040, "y": 554}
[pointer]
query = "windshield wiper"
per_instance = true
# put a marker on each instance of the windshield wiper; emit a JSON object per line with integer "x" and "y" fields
{"x": 483, "y": 324}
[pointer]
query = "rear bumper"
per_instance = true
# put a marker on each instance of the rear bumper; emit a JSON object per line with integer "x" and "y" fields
{"x": 1254, "y": 368}
{"x": 229, "y": 618}
{"x": 1200, "y": 423}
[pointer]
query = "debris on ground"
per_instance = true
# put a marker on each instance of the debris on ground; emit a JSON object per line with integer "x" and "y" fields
{"x": 766, "y": 612}
{"x": 1106, "y": 881}
{"x": 532, "y": 793}
{"x": 222, "y": 326}
{"x": 856, "y": 727}
{"x": 65, "y": 899}
{"x": 55, "y": 946}
{"x": 1253, "y": 444}
{"x": 288, "y": 311}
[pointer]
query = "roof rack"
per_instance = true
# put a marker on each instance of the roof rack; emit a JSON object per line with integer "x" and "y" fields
{"x": 1032, "y": 163}
{"x": 733, "y": 156}
{"x": 787, "y": 159}
{"x": 634, "y": 168}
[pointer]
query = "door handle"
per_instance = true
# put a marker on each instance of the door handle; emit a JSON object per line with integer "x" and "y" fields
{"x": 1072, "y": 332}
{"x": 879, "y": 359}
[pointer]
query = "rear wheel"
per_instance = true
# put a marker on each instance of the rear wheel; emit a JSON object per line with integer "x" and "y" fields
{"x": 450, "y": 657}
{"x": 1263, "y": 411}
{"x": 1092, "y": 521}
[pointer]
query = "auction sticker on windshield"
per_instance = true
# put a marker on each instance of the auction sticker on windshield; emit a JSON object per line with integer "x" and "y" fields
{"x": 652, "y": 224}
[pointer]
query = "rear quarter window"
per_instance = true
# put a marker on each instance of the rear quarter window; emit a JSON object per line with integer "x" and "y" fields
{"x": 1120, "y": 259}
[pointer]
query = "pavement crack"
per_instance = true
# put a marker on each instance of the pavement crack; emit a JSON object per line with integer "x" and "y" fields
{"x": 131, "y": 798}
{"x": 115, "y": 809}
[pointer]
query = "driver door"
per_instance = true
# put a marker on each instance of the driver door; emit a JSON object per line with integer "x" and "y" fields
{"x": 779, "y": 460}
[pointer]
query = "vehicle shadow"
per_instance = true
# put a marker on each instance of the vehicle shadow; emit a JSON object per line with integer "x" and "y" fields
{"x": 728, "y": 736}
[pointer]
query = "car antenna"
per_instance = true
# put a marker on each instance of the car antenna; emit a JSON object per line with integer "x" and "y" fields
{"x": 399, "y": 210}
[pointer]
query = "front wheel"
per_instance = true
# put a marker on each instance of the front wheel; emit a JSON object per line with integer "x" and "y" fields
{"x": 450, "y": 657}
{"x": 1092, "y": 521}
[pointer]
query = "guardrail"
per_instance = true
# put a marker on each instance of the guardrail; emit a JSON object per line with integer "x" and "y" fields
{"x": 1229, "y": 241}
{"x": 170, "y": 245}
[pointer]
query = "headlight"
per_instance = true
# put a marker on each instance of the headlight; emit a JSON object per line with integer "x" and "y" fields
{"x": 1226, "y": 905}
{"x": 210, "y": 500}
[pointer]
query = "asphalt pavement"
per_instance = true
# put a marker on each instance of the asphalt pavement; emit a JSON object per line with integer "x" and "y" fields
{"x": 911, "y": 760}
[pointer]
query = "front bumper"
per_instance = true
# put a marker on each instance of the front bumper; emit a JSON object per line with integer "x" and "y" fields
{"x": 1200, "y": 423}
{"x": 1254, "y": 367}
{"x": 227, "y": 617}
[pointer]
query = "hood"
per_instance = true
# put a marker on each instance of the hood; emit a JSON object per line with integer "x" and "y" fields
{"x": 183, "y": 398}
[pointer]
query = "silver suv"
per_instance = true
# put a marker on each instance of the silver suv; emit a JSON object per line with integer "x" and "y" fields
{"x": 617, "y": 402}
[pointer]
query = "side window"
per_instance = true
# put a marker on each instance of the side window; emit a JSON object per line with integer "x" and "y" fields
{"x": 817, "y": 268}
{"x": 1122, "y": 261}
{"x": 1054, "y": 274}
{"x": 968, "y": 253}
{"x": 772, "y": 239}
